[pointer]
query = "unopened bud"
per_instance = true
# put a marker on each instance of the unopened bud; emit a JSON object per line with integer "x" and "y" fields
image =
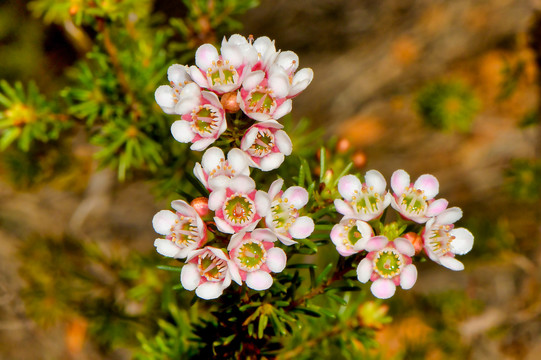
{"x": 359, "y": 159}
{"x": 342, "y": 145}
{"x": 229, "y": 102}
{"x": 74, "y": 9}
{"x": 201, "y": 205}
{"x": 416, "y": 240}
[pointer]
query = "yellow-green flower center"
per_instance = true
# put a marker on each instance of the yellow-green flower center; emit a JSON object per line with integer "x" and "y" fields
{"x": 222, "y": 73}
{"x": 388, "y": 263}
{"x": 205, "y": 120}
{"x": 239, "y": 209}
{"x": 251, "y": 254}
{"x": 440, "y": 239}
{"x": 211, "y": 267}
{"x": 367, "y": 201}
{"x": 413, "y": 201}
{"x": 263, "y": 143}
{"x": 261, "y": 100}
{"x": 184, "y": 231}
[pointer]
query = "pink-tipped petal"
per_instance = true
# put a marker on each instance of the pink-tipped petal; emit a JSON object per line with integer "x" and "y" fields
{"x": 182, "y": 131}
{"x": 376, "y": 243}
{"x": 408, "y": 277}
{"x": 302, "y": 227}
{"x": 364, "y": 270}
{"x": 202, "y": 144}
{"x": 262, "y": 203}
{"x": 383, "y": 288}
{"x": 216, "y": 199}
{"x": 449, "y": 216}
{"x": 374, "y": 179}
{"x": 163, "y": 221}
{"x": 259, "y": 280}
{"x": 209, "y": 290}
{"x": 223, "y": 226}
{"x": 275, "y": 188}
{"x": 404, "y": 246}
{"x": 276, "y": 259}
{"x": 166, "y": 248}
{"x": 296, "y": 196}
{"x": 190, "y": 277}
{"x": 234, "y": 272}
{"x": 205, "y": 55}
{"x": 236, "y": 240}
{"x": 283, "y": 109}
{"x": 348, "y": 185}
{"x": 271, "y": 161}
{"x": 429, "y": 184}
{"x": 451, "y": 263}
{"x": 400, "y": 180}
{"x": 463, "y": 241}
{"x": 436, "y": 207}
{"x": 283, "y": 142}
{"x": 343, "y": 208}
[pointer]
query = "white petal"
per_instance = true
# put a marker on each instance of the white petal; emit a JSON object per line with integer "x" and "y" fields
{"x": 279, "y": 84}
{"x": 236, "y": 240}
{"x": 348, "y": 185}
{"x": 276, "y": 259}
{"x": 182, "y": 131}
{"x": 223, "y": 226}
{"x": 374, "y": 179}
{"x": 285, "y": 240}
{"x": 263, "y": 235}
{"x": 198, "y": 76}
{"x": 262, "y": 203}
{"x": 205, "y": 55}
{"x": 166, "y": 248}
{"x": 296, "y": 196}
{"x": 451, "y": 263}
{"x": 408, "y": 277}
{"x": 249, "y": 138}
{"x": 429, "y": 184}
{"x": 449, "y": 216}
{"x": 237, "y": 160}
{"x": 283, "y": 109}
{"x": 365, "y": 229}
{"x": 383, "y": 288}
{"x": 343, "y": 208}
{"x": 219, "y": 182}
{"x": 259, "y": 280}
{"x": 209, "y": 290}
{"x": 376, "y": 243}
{"x": 436, "y": 207}
{"x": 404, "y": 246}
{"x": 233, "y": 54}
{"x": 302, "y": 227}
{"x": 364, "y": 270}
{"x": 400, "y": 180}
{"x": 164, "y": 96}
{"x": 199, "y": 174}
{"x": 183, "y": 208}
{"x": 275, "y": 188}
{"x": 463, "y": 242}
{"x": 190, "y": 276}
{"x": 212, "y": 98}
{"x": 212, "y": 158}
{"x": 216, "y": 199}
{"x": 271, "y": 161}
{"x": 289, "y": 61}
{"x": 234, "y": 272}
{"x": 253, "y": 79}
{"x": 283, "y": 142}
{"x": 163, "y": 221}
{"x": 202, "y": 144}
{"x": 242, "y": 184}
{"x": 178, "y": 74}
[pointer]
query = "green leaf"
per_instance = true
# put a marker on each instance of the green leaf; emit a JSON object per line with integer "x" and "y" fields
{"x": 322, "y": 164}
{"x": 169, "y": 268}
{"x": 309, "y": 243}
{"x": 263, "y": 320}
{"x": 322, "y": 276}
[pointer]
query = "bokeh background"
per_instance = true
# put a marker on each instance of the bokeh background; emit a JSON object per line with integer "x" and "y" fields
{"x": 449, "y": 88}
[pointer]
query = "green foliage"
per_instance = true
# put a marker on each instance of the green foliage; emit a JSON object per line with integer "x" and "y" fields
{"x": 447, "y": 105}
{"x": 523, "y": 180}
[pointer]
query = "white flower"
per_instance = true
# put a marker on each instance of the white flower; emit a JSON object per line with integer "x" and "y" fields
{"x": 416, "y": 201}
{"x": 168, "y": 96}
{"x": 215, "y": 170}
{"x": 284, "y": 219}
{"x": 266, "y": 145}
{"x": 442, "y": 241}
{"x": 350, "y": 236}
{"x": 184, "y": 230}
{"x": 299, "y": 80}
{"x": 363, "y": 201}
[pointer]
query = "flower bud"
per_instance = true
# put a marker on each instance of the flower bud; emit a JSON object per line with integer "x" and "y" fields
{"x": 201, "y": 205}
{"x": 416, "y": 240}
{"x": 229, "y": 102}
{"x": 342, "y": 145}
{"x": 359, "y": 159}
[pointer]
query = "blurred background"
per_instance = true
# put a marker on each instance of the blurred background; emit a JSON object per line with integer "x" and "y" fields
{"x": 449, "y": 88}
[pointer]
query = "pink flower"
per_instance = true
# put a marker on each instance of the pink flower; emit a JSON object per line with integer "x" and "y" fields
{"x": 350, "y": 236}
{"x": 168, "y": 96}
{"x": 203, "y": 118}
{"x": 184, "y": 230}
{"x": 263, "y": 96}
{"x": 387, "y": 265}
{"x": 283, "y": 219}
{"x": 266, "y": 145}
{"x": 207, "y": 272}
{"x": 442, "y": 241}
{"x": 363, "y": 201}
{"x": 266, "y": 53}
{"x": 416, "y": 201}
{"x": 254, "y": 257}
{"x": 238, "y": 206}
{"x": 215, "y": 170}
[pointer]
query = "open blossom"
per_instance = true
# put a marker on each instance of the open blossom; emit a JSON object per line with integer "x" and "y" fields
{"x": 184, "y": 230}
{"x": 363, "y": 201}
{"x": 266, "y": 145}
{"x": 254, "y": 257}
{"x": 215, "y": 170}
{"x": 350, "y": 236}
{"x": 207, "y": 272}
{"x": 387, "y": 265}
{"x": 299, "y": 80}
{"x": 239, "y": 206}
{"x": 283, "y": 218}
{"x": 202, "y": 120}
{"x": 442, "y": 241}
{"x": 222, "y": 73}
{"x": 168, "y": 96}
{"x": 416, "y": 201}
{"x": 263, "y": 96}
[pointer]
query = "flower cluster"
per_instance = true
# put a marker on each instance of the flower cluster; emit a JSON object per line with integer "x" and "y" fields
{"x": 387, "y": 249}
{"x": 249, "y": 80}
{"x": 251, "y": 84}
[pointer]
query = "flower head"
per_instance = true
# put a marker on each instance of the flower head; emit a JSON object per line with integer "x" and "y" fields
{"x": 238, "y": 206}
{"x": 266, "y": 145}
{"x": 283, "y": 218}
{"x": 184, "y": 230}
{"x": 207, "y": 272}
{"x": 387, "y": 265}
{"x": 416, "y": 201}
{"x": 350, "y": 236}
{"x": 363, "y": 201}
{"x": 254, "y": 257}
{"x": 168, "y": 96}
{"x": 442, "y": 241}
{"x": 215, "y": 170}
{"x": 299, "y": 80}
